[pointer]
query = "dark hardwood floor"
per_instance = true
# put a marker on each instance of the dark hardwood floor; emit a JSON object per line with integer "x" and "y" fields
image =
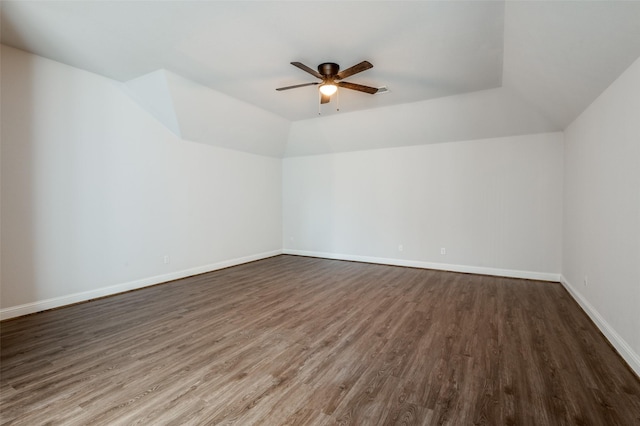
{"x": 295, "y": 340}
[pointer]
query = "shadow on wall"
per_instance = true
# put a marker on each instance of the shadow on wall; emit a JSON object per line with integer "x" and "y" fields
{"x": 61, "y": 184}
{"x": 18, "y": 184}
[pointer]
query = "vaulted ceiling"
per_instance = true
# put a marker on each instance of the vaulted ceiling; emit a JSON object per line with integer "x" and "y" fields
{"x": 554, "y": 57}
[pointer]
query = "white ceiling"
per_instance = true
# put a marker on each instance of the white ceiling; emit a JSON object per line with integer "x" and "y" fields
{"x": 557, "y": 56}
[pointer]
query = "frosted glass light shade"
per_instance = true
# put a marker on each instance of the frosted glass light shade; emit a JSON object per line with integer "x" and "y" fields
{"x": 328, "y": 89}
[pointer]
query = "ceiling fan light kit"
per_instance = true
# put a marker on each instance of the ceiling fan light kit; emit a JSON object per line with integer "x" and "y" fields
{"x": 331, "y": 76}
{"x": 328, "y": 89}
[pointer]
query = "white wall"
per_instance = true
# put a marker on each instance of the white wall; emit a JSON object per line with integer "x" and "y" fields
{"x": 602, "y": 212}
{"x": 494, "y": 204}
{"x": 95, "y": 192}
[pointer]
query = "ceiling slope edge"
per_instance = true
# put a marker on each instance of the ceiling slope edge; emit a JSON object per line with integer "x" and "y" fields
{"x": 151, "y": 92}
{"x": 200, "y": 114}
{"x": 208, "y": 116}
{"x": 471, "y": 116}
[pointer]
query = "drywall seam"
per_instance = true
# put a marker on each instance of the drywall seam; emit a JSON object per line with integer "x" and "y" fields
{"x": 512, "y": 273}
{"x": 620, "y": 345}
{"x": 56, "y": 302}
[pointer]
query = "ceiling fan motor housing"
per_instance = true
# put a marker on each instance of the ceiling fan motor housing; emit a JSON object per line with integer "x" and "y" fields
{"x": 328, "y": 69}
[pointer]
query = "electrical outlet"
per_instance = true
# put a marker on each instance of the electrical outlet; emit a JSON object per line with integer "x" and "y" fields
{"x": 443, "y": 250}
{"x": 400, "y": 247}
{"x": 586, "y": 280}
{"x": 167, "y": 260}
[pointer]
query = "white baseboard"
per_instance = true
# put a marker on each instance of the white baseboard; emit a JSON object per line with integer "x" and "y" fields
{"x": 623, "y": 348}
{"x": 481, "y": 270}
{"x": 56, "y": 302}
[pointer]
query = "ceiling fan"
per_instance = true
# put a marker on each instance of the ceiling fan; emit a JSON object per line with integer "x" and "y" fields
{"x": 332, "y": 77}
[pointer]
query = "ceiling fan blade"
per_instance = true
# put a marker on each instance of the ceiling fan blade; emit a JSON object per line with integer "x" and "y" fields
{"x": 298, "y": 85}
{"x": 324, "y": 99}
{"x": 311, "y": 71}
{"x": 362, "y": 66}
{"x": 358, "y": 87}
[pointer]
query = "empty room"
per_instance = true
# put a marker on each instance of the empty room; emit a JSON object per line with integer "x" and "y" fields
{"x": 320, "y": 212}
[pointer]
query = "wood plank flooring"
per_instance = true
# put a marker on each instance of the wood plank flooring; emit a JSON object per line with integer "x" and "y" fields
{"x": 292, "y": 340}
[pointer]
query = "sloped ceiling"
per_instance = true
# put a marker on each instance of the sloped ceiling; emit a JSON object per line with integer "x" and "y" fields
{"x": 559, "y": 56}
{"x": 539, "y": 63}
